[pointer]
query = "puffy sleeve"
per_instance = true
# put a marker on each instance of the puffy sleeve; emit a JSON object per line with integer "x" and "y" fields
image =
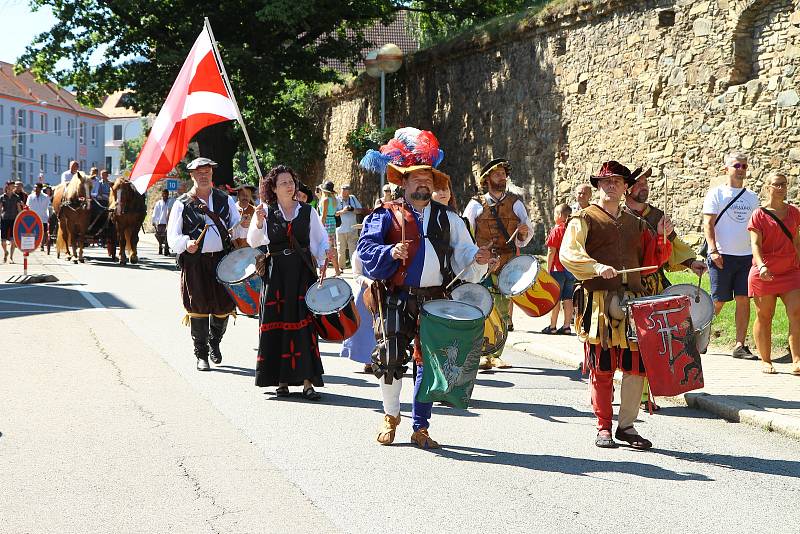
{"x": 654, "y": 250}
{"x": 256, "y": 236}
{"x": 318, "y": 237}
{"x": 573, "y": 253}
{"x": 682, "y": 254}
{"x": 175, "y": 237}
{"x": 234, "y": 212}
{"x": 464, "y": 250}
{"x": 522, "y": 215}
{"x": 471, "y": 213}
{"x": 374, "y": 253}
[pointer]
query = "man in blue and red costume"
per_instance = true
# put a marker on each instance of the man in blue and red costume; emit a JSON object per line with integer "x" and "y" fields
{"x": 411, "y": 262}
{"x": 600, "y": 241}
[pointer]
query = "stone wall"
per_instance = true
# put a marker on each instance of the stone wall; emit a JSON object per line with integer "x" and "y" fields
{"x": 672, "y": 85}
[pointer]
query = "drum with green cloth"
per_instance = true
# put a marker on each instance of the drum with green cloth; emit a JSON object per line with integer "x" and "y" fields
{"x": 451, "y": 336}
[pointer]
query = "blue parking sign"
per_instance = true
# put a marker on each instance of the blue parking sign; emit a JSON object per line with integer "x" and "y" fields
{"x": 172, "y": 185}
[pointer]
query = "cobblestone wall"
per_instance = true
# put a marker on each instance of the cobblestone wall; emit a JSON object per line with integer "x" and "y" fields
{"x": 668, "y": 84}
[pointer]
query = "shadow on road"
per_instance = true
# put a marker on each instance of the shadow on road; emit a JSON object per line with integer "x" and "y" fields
{"x": 564, "y": 464}
{"x": 765, "y": 466}
{"x": 546, "y": 412}
{"x": 21, "y": 300}
{"x": 233, "y": 370}
{"x": 349, "y": 381}
{"x": 573, "y": 375}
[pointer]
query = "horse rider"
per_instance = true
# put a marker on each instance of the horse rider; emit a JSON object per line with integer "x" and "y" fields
{"x": 197, "y": 231}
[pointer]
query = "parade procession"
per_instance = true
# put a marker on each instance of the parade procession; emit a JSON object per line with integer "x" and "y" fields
{"x": 470, "y": 282}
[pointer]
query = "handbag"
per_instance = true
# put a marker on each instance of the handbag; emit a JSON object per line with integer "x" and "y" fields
{"x": 704, "y": 247}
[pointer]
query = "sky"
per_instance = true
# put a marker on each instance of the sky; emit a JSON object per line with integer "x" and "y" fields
{"x": 19, "y": 25}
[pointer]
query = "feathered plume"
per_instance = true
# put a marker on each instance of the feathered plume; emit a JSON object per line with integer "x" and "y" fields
{"x": 408, "y": 147}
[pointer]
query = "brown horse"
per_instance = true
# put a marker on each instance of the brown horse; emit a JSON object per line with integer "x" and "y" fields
{"x": 71, "y": 205}
{"x": 128, "y": 210}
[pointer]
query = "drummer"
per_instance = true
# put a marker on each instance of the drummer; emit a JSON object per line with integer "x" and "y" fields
{"x": 244, "y": 204}
{"x": 197, "y": 231}
{"x": 499, "y": 221}
{"x": 683, "y": 256}
{"x": 592, "y": 250}
{"x": 409, "y": 272}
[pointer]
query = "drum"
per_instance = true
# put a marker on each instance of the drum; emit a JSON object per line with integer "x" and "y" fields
{"x": 529, "y": 286}
{"x": 666, "y": 340}
{"x": 495, "y": 331}
{"x": 474, "y": 294}
{"x": 237, "y": 272}
{"x": 334, "y": 309}
{"x": 630, "y": 325}
{"x": 450, "y": 335}
{"x": 702, "y": 311}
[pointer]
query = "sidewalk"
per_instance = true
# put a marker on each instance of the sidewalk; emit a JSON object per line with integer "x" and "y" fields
{"x": 734, "y": 389}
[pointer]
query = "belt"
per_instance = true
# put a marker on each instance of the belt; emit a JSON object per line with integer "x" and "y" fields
{"x": 284, "y": 252}
{"x": 430, "y": 291}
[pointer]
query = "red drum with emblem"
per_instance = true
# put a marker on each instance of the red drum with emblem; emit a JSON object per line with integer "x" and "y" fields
{"x": 237, "y": 272}
{"x": 667, "y": 342}
{"x": 334, "y": 309}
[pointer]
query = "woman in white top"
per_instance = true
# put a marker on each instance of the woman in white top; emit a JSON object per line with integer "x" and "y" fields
{"x": 288, "y": 349}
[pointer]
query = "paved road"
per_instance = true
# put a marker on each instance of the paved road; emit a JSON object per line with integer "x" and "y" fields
{"x": 108, "y": 428}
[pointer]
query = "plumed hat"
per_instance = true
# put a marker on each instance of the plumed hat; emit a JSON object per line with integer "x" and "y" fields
{"x": 409, "y": 150}
{"x": 492, "y": 165}
{"x": 615, "y": 168}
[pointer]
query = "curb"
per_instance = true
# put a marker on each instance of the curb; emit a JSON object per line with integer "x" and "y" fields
{"x": 719, "y": 405}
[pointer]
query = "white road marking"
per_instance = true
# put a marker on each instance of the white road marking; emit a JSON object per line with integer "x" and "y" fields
{"x": 91, "y": 299}
{"x": 41, "y": 305}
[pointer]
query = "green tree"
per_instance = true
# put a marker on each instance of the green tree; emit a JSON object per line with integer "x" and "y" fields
{"x": 275, "y": 53}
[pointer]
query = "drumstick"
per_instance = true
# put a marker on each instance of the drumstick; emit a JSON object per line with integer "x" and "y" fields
{"x": 324, "y": 272}
{"x": 196, "y": 241}
{"x": 403, "y": 228}
{"x": 510, "y": 239}
{"x": 666, "y": 208}
{"x": 637, "y": 269}
{"x": 453, "y": 281}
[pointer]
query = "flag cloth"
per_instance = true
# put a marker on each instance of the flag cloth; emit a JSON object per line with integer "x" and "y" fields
{"x": 198, "y": 98}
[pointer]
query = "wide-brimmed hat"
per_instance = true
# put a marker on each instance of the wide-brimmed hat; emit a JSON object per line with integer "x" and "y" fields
{"x": 615, "y": 168}
{"x": 487, "y": 169}
{"x": 327, "y": 187}
{"x": 409, "y": 150}
{"x": 251, "y": 187}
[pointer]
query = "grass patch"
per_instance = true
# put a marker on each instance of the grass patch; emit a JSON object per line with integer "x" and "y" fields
{"x": 723, "y": 328}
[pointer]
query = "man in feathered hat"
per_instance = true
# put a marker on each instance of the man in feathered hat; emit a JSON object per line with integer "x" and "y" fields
{"x": 600, "y": 240}
{"x": 500, "y": 222}
{"x": 411, "y": 247}
{"x": 683, "y": 256}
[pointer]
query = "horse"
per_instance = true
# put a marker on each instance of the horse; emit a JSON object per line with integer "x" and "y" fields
{"x": 71, "y": 205}
{"x": 128, "y": 211}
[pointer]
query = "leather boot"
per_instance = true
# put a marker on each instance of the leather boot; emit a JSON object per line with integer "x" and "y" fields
{"x": 218, "y": 327}
{"x": 199, "y": 327}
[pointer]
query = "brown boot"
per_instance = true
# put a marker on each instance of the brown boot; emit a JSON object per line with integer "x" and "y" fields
{"x": 386, "y": 433}
{"x": 421, "y": 439}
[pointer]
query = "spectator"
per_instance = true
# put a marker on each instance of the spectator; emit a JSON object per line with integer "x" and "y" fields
{"x": 66, "y": 176}
{"x": 160, "y": 219}
{"x": 327, "y": 210}
{"x": 387, "y": 196}
{"x": 20, "y": 192}
{"x": 316, "y": 198}
{"x": 726, "y": 211}
{"x": 40, "y": 204}
{"x": 583, "y": 194}
{"x": 564, "y": 278}
{"x": 304, "y": 194}
{"x": 776, "y": 270}
{"x": 10, "y": 206}
{"x": 346, "y": 235}
{"x": 102, "y": 189}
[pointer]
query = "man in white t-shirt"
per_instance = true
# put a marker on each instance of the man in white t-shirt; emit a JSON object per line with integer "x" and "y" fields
{"x": 40, "y": 204}
{"x": 346, "y": 235}
{"x": 729, "y": 253}
{"x": 66, "y": 176}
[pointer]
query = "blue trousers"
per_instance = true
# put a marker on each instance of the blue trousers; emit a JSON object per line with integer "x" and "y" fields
{"x": 420, "y": 411}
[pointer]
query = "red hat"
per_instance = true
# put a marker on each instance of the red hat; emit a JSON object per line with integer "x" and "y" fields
{"x": 615, "y": 168}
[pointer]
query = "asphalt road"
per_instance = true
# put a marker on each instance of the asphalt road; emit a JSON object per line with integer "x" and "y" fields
{"x": 107, "y": 427}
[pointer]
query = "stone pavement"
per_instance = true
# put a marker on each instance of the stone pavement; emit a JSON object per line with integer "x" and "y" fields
{"x": 734, "y": 389}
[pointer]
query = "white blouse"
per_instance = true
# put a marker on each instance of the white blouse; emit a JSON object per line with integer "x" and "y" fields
{"x": 318, "y": 238}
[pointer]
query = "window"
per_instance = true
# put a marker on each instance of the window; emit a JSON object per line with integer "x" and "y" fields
{"x": 43, "y": 122}
{"x": 2, "y": 163}
{"x": 43, "y": 162}
{"x": 31, "y": 124}
{"x": 30, "y": 170}
{"x": 83, "y": 165}
{"x": 109, "y": 162}
{"x": 2, "y": 115}
{"x": 94, "y": 135}
{"x": 70, "y": 133}
{"x": 57, "y": 125}
{"x": 56, "y": 163}
{"x": 21, "y": 118}
{"x": 30, "y": 138}
{"x": 666, "y": 18}
{"x": 82, "y": 133}
{"x": 117, "y": 132}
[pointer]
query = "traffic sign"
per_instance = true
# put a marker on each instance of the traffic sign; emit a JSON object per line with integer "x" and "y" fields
{"x": 28, "y": 230}
{"x": 172, "y": 185}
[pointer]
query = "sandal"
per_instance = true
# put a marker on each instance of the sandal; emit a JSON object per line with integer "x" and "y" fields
{"x": 564, "y": 330}
{"x": 650, "y": 406}
{"x": 282, "y": 391}
{"x": 311, "y": 394}
{"x": 548, "y": 330}
{"x": 796, "y": 370}
{"x": 604, "y": 440}
{"x": 767, "y": 368}
{"x": 634, "y": 440}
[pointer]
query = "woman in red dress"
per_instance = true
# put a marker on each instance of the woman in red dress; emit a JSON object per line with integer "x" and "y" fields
{"x": 776, "y": 270}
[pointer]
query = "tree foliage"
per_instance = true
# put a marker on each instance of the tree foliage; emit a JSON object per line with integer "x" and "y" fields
{"x": 274, "y": 51}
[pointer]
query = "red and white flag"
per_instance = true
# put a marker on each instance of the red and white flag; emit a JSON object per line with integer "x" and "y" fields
{"x": 198, "y": 98}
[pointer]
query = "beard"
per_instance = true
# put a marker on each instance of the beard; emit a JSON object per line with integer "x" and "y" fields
{"x": 421, "y": 194}
{"x": 642, "y": 196}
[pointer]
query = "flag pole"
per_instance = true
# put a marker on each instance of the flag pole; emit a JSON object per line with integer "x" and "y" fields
{"x": 227, "y": 81}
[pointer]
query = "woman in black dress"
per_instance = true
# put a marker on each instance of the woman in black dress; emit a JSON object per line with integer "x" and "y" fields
{"x": 293, "y": 234}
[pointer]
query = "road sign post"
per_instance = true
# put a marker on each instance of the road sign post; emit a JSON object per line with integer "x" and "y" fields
{"x": 28, "y": 232}
{"x": 171, "y": 184}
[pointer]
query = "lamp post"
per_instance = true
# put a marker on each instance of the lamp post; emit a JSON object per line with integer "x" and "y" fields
{"x": 386, "y": 60}
{"x": 15, "y": 136}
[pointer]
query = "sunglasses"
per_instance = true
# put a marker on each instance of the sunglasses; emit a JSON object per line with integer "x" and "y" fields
{"x": 739, "y": 166}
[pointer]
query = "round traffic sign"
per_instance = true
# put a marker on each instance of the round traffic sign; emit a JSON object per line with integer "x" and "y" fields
{"x": 28, "y": 230}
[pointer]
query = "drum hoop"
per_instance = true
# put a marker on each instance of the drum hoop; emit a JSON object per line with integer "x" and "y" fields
{"x": 337, "y": 310}
{"x": 482, "y": 288}
{"x": 533, "y": 283}
{"x": 482, "y": 317}
{"x": 231, "y": 282}
{"x": 693, "y": 288}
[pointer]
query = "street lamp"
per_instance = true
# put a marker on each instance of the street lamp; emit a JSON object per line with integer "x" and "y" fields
{"x": 386, "y": 60}
{"x": 15, "y": 136}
